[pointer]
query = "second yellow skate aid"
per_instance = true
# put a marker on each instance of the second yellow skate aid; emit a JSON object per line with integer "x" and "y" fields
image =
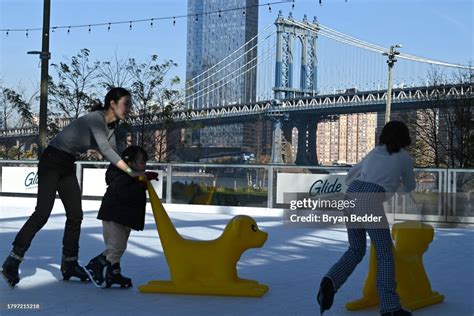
{"x": 205, "y": 267}
{"x": 413, "y": 286}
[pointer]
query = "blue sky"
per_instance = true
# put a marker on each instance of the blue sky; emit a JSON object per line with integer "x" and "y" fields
{"x": 437, "y": 29}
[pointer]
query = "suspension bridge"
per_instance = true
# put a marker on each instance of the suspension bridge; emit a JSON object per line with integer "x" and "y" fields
{"x": 299, "y": 73}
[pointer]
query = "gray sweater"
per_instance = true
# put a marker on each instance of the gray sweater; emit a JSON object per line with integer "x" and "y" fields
{"x": 88, "y": 132}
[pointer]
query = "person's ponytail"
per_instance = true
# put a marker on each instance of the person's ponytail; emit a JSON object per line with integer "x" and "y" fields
{"x": 96, "y": 105}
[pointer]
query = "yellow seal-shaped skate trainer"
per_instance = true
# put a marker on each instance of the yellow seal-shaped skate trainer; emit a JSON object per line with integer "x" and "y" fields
{"x": 413, "y": 286}
{"x": 205, "y": 267}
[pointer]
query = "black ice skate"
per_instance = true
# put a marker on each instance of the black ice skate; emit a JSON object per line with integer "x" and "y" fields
{"x": 400, "y": 312}
{"x": 71, "y": 268}
{"x": 113, "y": 276}
{"x": 96, "y": 269}
{"x": 326, "y": 294}
{"x": 11, "y": 265}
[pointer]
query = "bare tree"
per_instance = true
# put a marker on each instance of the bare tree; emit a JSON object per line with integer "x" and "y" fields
{"x": 157, "y": 99}
{"x": 113, "y": 73}
{"x": 75, "y": 88}
{"x": 460, "y": 128}
{"x": 73, "y": 92}
{"x": 6, "y": 110}
{"x": 15, "y": 112}
{"x": 444, "y": 131}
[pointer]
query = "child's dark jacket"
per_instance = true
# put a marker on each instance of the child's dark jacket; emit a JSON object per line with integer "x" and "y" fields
{"x": 125, "y": 199}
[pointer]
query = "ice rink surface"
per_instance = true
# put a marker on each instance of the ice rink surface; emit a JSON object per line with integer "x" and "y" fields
{"x": 291, "y": 263}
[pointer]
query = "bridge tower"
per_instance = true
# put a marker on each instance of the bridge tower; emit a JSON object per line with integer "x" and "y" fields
{"x": 287, "y": 34}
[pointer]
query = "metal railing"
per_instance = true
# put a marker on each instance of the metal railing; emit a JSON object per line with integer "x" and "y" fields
{"x": 441, "y": 195}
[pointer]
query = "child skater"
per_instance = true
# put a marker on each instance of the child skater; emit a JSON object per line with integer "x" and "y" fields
{"x": 383, "y": 171}
{"x": 122, "y": 209}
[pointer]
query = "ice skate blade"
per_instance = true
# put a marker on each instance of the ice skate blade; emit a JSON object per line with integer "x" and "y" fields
{"x": 96, "y": 284}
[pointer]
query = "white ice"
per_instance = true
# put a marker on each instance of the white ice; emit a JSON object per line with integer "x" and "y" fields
{"x": 291, "y": 263}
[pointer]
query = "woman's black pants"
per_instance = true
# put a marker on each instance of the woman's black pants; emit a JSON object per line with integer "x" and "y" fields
{"x": 55, "y": 174}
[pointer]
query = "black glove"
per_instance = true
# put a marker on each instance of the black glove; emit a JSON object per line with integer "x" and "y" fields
{"x": 150, "y": 175}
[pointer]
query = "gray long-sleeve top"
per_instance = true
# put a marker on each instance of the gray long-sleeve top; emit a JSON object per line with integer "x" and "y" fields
{"x": 88, "y": 132}
{"x": 393, "y": 172}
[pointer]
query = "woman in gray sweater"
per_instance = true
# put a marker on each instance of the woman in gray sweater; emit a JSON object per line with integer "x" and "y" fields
{"x": 56, "y": 174}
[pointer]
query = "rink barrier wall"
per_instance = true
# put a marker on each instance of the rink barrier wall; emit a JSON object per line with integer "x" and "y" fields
{"x": 441, "y": 195}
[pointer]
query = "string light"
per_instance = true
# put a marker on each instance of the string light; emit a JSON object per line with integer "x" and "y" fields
{"x": 218, "y": 12}
{"x": 27, "y": 33}
{"x": 293, "y": 5}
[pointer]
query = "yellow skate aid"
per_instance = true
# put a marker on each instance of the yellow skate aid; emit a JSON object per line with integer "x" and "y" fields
{"x": 413, "y": 286}
{"x": 205, "y": 267}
